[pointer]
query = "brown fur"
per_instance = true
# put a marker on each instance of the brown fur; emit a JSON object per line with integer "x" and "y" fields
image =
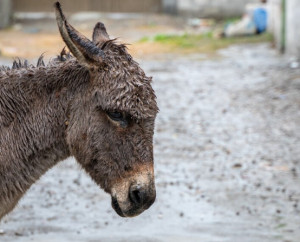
{"x": 48, "y": 113}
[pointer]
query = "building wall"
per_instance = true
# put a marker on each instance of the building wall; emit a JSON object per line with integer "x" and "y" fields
{"x": 153, "y": 6}
{"x": 275, "y": 23}
{"x": 286, "y": 32}
{"x": 213, "y": 8}
{"x": 293, "y": 28}
{"x": 169, "y": 6}
{"x": 5, "y": 13}
{"x": 192, "y": 8}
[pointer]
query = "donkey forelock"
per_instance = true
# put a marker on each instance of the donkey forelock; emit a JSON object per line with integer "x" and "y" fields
{"x": 124, "y": 84}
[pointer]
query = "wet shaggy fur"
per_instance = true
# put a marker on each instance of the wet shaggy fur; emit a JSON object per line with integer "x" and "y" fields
{"x": 48, "y": 113}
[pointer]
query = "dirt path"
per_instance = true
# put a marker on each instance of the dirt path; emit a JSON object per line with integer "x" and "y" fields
{"x": 227, "y": 153}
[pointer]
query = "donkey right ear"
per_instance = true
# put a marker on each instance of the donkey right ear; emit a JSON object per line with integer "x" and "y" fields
{"x": 100, "y": 35}
{"x": 82, "y": 48}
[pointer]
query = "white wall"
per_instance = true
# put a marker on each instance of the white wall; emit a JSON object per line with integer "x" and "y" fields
{"x": 212, "y": 8}
{"x": 275, "y": 21}
{"x": 293, "y": 28}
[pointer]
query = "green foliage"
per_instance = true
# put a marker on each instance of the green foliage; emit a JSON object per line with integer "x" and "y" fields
{"x": 205, "y": 42}
{"x": 231, "y": 20}
{"x": 144, "y": 39}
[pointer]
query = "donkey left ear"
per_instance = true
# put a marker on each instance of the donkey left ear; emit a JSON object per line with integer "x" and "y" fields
{"x": 100, "y": 35}
{"x": 81, "y": 47}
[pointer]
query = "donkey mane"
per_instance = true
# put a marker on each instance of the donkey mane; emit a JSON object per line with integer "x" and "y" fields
{"x": 24, "y": 64}
{"x": 64, "y": 55}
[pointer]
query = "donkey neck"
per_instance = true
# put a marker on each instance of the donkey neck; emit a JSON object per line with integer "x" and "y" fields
{"x": 34, "y": 106}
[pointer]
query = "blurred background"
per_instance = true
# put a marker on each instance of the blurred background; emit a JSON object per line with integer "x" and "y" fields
{"x": 227, "y": 138}
{"x": 281, "y": 19}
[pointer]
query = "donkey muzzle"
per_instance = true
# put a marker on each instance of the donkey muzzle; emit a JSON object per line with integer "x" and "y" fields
{"x": 138, "y": 200}
{"x": 134, "y": 193}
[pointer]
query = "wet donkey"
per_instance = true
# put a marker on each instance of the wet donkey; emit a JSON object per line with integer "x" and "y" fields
{"x": 98, "y": 107}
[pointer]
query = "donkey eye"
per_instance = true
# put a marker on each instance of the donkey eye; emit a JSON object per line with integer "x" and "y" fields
{"x": 121, "y": 118}
{"x": 117, "y": 116}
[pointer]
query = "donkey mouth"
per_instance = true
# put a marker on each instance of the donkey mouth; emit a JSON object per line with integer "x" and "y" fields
{"x": 132, "y": 211}
{"x": 116, "y": 207}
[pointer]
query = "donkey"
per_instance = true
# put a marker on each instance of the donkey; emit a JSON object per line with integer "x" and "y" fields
{"x": 95, "y": 104}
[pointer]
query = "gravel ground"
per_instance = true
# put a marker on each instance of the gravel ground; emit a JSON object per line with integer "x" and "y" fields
{"x": 227, "y": 153}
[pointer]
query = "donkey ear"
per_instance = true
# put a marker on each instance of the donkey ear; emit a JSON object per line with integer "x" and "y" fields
{"x": 100, "y": 35}
{"x": 81, "y": 47}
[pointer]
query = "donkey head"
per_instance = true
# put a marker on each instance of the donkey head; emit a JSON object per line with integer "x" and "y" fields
{"x": 111, "y": 123}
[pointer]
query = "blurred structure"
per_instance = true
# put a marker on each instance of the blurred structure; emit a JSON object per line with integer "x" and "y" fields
{"x": 5, "y": 13}
{"x": 212, "y": 8}
{"x": 152, "y": 6}
{"x": 285, "y": 25}
{"x": 282, "y": 20}
{"x": 190, "y": 8}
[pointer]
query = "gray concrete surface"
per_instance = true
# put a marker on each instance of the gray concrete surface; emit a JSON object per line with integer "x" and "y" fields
{"x": 227, "y": 161}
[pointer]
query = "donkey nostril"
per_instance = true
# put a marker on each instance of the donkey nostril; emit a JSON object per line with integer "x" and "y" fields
{"x": 137, "y": 196}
